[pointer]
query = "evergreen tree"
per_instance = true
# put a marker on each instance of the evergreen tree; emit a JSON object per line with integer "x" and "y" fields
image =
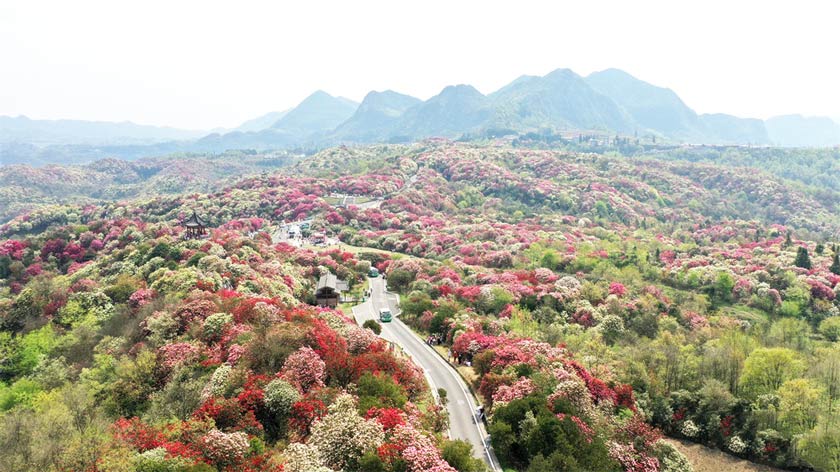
{"x": 835, "y": 265}
{"x": 820, "y": 248}
{"x": 788, "y": 240}
{"x": 802, "y": 258}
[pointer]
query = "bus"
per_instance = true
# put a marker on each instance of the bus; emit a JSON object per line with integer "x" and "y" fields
{"x": 384, "y": 315}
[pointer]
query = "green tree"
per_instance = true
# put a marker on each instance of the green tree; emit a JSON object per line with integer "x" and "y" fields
{"x": 800, "y": 403}
{"x": 766, "y": 369}
{"x": 459, "y": 454}
{"x": 821, "y": 447}
{"x": 835, "y": 264}
{"x": 827, "y": 371}
{"x": 399, "y": 279}
{"x": 830, "y": 328}
{"x": 373, "y": 325}
{"x": 802, "y": 260}
{"x": 724, "y": 283}
{"x": 136, "y": 380}
{"x": 550, "y": 259}
{"x": 792, "y": 333}
{"x": 379, "y": 390}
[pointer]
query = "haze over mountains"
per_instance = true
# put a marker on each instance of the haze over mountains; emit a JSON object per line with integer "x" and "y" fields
{"x": 610, "y": 101}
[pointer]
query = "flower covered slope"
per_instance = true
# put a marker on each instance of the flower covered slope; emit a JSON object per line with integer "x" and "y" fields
{"x": 127, "y": 348}
{"x": 596, "y": 302}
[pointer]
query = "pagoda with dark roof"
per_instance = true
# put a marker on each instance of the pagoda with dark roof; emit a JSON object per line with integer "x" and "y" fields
{"x": 196, "y": 227}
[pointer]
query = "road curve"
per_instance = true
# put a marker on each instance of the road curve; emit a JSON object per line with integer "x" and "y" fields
{"x": 439, "y": 373}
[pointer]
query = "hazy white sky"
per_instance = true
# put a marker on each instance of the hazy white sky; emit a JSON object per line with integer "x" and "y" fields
{"x": 202, "y": 64}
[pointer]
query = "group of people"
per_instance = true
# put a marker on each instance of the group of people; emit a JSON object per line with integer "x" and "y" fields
{"x": 434, "y": 340}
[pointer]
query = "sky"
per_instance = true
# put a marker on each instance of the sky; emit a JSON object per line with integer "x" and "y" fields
{"x": 206, "y": 64}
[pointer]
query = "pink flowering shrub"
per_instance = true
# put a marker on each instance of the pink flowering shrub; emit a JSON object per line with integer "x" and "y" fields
{"x": 225, "y": 449}
{"x": 519, "y": 389}
{"x": 176, "y": 354}
{"x": 305, "y": 369}
{"x": 419, "y": 451}
{"x": 617, "y": 289}
{"x": 141, "y": 298}
{"x": 632, "y": 460}
{"x": 13, "y": 249}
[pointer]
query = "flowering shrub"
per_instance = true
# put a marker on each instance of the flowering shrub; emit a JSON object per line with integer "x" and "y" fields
{"x": 141, "y": 298}
{"x": 215, "y": 325}
{"x": 305, "y": 369}
{"x": 280, "y": 397}
{"x": 631, "y": 460}
{"x": 523, "y": 260}
{"x": 418, "y": 451}
{"x": 178, "y": 354}
{"x": 519, "y": 389}
{"x": 225, "y": 449}
{"x": 736, "y": 445}
{"x": 689, "y": 429}
{"x": 342, "y": 436}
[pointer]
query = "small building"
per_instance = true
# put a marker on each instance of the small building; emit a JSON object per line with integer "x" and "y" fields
{"x": 196, "y": 227}
{"x": 294, "y": 231}
{"x": 318, "y": 238}
{"x": 329, "y": 290}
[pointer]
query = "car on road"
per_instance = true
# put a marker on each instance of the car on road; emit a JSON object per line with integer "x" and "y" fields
{"x": 385, "y": 315}
{"x": 373, "y": 272}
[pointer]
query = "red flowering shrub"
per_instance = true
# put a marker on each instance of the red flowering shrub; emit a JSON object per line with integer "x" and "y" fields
{"x": 389, "y": 418}
{"x": 138, "y": 434}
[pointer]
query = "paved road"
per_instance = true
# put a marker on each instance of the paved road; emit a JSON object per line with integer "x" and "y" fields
{"x": 438, "y": 372}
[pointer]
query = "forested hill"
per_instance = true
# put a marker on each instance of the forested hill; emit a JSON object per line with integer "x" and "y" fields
{"x": 597, "y": 302}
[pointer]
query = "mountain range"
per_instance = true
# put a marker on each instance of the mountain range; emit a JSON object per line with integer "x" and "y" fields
{"x": 609, "y": 101}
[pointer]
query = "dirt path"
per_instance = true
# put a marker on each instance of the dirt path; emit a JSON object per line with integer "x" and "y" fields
{"x": 706, "y": 459}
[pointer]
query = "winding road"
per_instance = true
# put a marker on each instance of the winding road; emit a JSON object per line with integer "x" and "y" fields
{"x": 461, "y": 404}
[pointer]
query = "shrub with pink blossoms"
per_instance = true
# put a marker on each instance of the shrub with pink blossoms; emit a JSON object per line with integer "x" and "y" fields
{"x": 618, "y": 289}
{"x": 630, "y": 459}
{"x": 544, "y": 275}
{"x": 141, "y": 297}
{"x": 520, "y": 389}
{"x": 695, "y": 320}
{"x": 358, "y": 340}
{"x": 305, "y": 369}
{"x": 176, "y": 354}
{"x": 225, "y": 449}
{"x": 12, "y": 248}
{"x": 509, "y": 354}
{"x": 419, "y": 451}
{"x": 820, "y": 290}
{"x": 235, "y": 352}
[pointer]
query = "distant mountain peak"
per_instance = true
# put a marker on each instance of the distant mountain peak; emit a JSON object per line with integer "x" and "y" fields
{"x": 317, "y": 113}
{"x": 460, "y": 89}
{"x": 797, "y": 130}
{"x": 562, "y": 72}
{"x": 375, "y": 117}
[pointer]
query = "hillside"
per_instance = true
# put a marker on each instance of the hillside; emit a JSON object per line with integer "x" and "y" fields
{"x": 376, "y": 117}
{"x": 26, "y": 188}
{"x": 261, "y": 122}
{"x": 21, "y": 129}
{"x": 319, "y": 112}
{"x": 610, "y": 102}
{"x": 561, "y": 99}
{"x": 598, "y": 302}
{"x": 800, "y": 131}
{"x": 455, "y": 110}
{"x": 652, "y": 107}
